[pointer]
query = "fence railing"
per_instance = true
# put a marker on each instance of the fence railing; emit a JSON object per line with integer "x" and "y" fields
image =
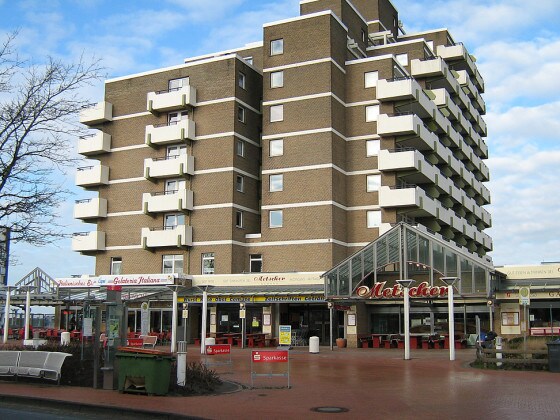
{"x": 525, "y": 358}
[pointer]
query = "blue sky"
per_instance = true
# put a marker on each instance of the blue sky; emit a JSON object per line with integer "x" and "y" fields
{"x": 517, "y": 47}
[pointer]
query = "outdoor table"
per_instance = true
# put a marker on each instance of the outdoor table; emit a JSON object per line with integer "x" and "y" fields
{"x": 377, "y": 340}
{"x": 255, "y": 338}
{"x": 231, "y": 336}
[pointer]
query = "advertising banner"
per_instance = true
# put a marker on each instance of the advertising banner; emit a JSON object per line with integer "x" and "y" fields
{"x": 285, "y": 335}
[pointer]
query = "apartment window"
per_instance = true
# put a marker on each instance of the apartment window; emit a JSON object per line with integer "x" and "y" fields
{"x": 275, "y": 218}
{"x": 255, "y": 263}
{"x": 276, "y": 79}
{"x": 241, "y": 79}
{"x": 277, "y": 46}
{"x": 175, "y": 151}
{"x": 372, "y": 112}
{"x": 276, "y": 183}
{"x": 249, "y": 60}
{"x": 402, "y": 59}
{"x": 116, "y": 265}
{"x": 239, "y": 183}
{"x": 372, "y": 147}
{"x": 430, "y": 46}
{"x": 370, "y": 79}
{"x": 364, "y": 36}
{"x": 208, "y": 263}
{"x": 239, "y": 219}
{"x": 241, "y": 114}
{"x": 172, "y": 264}
{"x": 174, "y": 185}
{"x": 240, "y": 148}
{"x": 276, "y": 113}
{"x": 373, "y": 218}
{"x": 373, "y": 183}
{"x": 173, "y": 118}
{"x": 176, "y": 84}
{"x": 171, "y": 221}
{"x": 398, "y": 72}
{"x": 276, "y": 147}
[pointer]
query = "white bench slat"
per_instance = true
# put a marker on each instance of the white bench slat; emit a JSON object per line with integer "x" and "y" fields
{"x": 8, "y": 362}
{"x": 38, "y": 364}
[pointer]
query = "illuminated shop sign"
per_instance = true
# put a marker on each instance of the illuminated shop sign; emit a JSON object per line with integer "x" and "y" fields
{"x": 379, "y": 291}
{"x": 255, "y": 299}
{"x": 117, "y": 280}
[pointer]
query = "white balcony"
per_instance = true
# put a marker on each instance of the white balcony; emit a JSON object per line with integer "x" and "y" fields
{"x": 94, "y": 144}
{"x": 408, "y": 197}
{"x": 170, "y": 100}
{"x": 445, "y": 103}
{"x": 485, "y": 193}
{"x": 486, "y": 241}
{"x": 457, "y": 52}
{"x": 97, "y": 114}
{"x": 91, "y": 176}
{"x": 88, "y": 241}
{"x": 180, "y": 236}
{"x": 435, "y": 67}
{"x": 93, "y": 208}
{"x": 409, "y": 125}
{"x": 466, "y": 83}
{"x": 173, "y": 166}
{"x": 177, "y": 200}
{"x": 164, "y": 134}
{"x": 486, "y": 218}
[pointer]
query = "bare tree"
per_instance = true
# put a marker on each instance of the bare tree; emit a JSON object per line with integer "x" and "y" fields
{"x": 38, "y": 117}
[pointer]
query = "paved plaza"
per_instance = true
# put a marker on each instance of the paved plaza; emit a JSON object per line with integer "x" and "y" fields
{"x": 361, "y": 383}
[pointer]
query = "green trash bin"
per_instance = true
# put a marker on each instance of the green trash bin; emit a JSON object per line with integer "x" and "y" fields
{"x": 554, "y": 356}
{"x": 144, "y": 371}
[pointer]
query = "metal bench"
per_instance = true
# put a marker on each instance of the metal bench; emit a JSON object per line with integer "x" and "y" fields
{"x": 32, "y": 364}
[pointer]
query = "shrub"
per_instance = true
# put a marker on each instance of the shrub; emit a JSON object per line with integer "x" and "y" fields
{"x": 200, "y": 380}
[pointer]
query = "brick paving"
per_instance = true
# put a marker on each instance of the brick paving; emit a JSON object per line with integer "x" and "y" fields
{"x": 368, "y": 383}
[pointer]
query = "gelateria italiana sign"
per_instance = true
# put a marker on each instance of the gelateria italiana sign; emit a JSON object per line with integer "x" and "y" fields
{"x": 380, "y": 291}
{"x": 117, "y": 280}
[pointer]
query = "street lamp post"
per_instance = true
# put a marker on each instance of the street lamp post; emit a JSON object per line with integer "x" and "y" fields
{"x": 449, "y": 282}
{"x": 405, "y": 284}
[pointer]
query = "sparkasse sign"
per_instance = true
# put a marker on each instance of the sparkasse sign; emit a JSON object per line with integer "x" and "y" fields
{"x": 279, "y": 356}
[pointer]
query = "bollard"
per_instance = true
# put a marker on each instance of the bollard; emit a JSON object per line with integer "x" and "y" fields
{"x": 181, "y": 362}
{"x": 498, "y": 347}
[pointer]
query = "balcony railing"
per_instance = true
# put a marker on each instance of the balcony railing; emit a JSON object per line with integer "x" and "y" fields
{"x": 90, "y": 209}
{"x": 168, "y": 167}
{"x": 97, "y": 114}
{"x": 88, "y": 241}
{"x": 172, "y": 99}
{"x": 94, "y": 144}
{"x": 168, "y": 201}
{"x": 179, "y": 236}
{"x": 170, "y": 133}
{"x": 90, "y": 176}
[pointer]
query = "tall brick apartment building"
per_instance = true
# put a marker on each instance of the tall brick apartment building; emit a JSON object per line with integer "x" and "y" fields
{"x": 285, "y": 157}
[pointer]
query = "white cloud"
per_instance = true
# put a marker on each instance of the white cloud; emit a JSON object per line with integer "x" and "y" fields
{"x": 206, "y": 10}
{"x": 525, "y": 70}
{"x": 247, "y": 26}
{"x": 525, "y": 207}
{"x": 522, "y": 127}
{"x": 477, "y": 21}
